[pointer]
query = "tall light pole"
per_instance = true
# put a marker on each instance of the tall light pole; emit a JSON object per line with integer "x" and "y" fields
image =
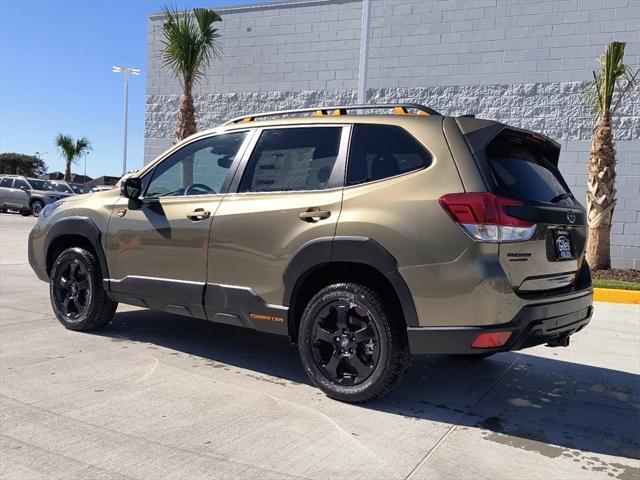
{"x": 126, "y": 71}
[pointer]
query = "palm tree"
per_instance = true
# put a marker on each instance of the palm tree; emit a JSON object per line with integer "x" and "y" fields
{"x": 71, "y": 151}
{"x": 190, "y": 42}
{"x": 614, "y": 77}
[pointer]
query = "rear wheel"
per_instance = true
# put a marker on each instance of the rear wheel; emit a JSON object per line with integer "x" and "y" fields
{"x": 36, "y": 207}
{"x": 25, "y": 212}
{"x": 352, "y": 343}
{"x": 77, "y": 296}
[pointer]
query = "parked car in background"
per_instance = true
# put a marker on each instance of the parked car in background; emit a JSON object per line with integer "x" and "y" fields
{"x": 27, "y": 195}
{"x": 70, "y": 187}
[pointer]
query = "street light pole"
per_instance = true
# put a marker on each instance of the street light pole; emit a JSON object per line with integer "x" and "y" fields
{"x": 126, "y": 71}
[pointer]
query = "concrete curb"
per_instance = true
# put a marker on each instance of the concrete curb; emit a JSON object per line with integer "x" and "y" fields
{"x": 616, "y": 296}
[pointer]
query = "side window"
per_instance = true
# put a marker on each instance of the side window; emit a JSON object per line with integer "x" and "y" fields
{"x": 6, "y": 182}
{"x": 198, "y": 168}
{"x": 292, "y": 159}
{"x": 383, "y": 151}
{"x": 19, "y": 183}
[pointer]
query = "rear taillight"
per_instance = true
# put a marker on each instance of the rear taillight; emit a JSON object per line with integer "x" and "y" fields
{"x": 491, "y": 340}
{"x": 483, "y": 217}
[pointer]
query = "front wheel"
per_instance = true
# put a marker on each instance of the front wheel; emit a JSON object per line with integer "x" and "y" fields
{"x": 77, "y": 295}
{"x": 36, "y": 207}
{"x": 352, "y": 343}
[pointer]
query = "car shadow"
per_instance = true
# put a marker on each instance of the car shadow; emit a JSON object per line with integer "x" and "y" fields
{"x": 534, "y": 403}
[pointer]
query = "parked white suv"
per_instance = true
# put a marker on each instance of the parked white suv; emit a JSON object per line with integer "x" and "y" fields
{"x": 27, "y": 195}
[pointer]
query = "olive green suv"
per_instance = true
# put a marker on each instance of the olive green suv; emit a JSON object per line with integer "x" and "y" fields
{"x": 364, "y": 238}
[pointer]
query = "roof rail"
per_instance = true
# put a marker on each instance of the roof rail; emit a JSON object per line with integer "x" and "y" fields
{"x": 398, "y": 108}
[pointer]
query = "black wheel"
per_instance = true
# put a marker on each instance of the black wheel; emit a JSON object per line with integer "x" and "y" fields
{"x": 352, "y": 343}
{"x": 25, "y": 212}
{"x": 77, "y": 296}
{"x": 36, "y": 207}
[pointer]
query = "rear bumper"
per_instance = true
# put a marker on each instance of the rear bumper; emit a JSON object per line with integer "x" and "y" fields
{"x": 535, "y": 324}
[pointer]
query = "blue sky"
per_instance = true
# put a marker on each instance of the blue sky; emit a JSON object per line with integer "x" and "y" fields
{"x": 55, "y": 76}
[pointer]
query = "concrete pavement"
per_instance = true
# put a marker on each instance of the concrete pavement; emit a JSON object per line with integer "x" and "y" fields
{"x": 155, "y": 395}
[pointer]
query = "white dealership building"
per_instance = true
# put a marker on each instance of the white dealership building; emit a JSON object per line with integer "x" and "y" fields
{"x": 526, "y": 63}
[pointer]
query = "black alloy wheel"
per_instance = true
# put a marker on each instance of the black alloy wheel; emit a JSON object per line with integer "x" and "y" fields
{"x": 346, "y": 343}
{"x": 77, "y": 294}
{"x": 353, "y": 342}
{"x": 72, "y": 292}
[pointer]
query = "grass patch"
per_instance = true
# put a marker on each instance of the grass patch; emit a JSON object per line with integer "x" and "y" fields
{"x": 616, "y": 284}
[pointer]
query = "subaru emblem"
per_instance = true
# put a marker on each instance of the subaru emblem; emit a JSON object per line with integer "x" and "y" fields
{"x": 571, "y": 217}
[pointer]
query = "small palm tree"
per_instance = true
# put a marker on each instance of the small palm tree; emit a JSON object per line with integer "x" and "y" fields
{"x": 190, "y": 42}
{"x": 614, "y": 79}
{"x": 71, "y": 151}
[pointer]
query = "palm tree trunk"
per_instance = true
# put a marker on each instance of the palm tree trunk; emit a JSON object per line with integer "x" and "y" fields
{"x": 601, "y": 194}
{"x": 67, "y": 172}
{"x": 186, "y": 127}
{"x": 186, "y": 116}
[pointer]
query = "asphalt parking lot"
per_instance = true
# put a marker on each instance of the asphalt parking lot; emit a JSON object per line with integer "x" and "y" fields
{"x": 155, "y": 395}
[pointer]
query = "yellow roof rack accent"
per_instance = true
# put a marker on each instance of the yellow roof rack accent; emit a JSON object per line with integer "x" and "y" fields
{"x": 398, "y": 109}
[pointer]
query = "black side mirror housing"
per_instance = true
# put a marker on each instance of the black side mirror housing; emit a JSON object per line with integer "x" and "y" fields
{"x": 131, "y": 188}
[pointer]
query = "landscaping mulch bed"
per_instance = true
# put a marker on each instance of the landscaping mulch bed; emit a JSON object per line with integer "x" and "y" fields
{"x": 620, "y": 274}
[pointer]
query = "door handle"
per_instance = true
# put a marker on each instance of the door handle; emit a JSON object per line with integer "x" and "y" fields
{"x": 313, "y": 215}
{"x": 198, "y": 214}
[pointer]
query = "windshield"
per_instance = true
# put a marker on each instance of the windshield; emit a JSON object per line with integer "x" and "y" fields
{"x": 61, "y": 187}
{"x": 522, "y": 169}
{"x": 40, "y": 184}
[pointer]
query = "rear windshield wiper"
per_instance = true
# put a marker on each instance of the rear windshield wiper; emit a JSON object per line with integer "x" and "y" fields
{"x": 562, "y": 196}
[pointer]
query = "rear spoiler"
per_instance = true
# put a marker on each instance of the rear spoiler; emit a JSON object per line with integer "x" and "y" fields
{"x": 479, "y": 133}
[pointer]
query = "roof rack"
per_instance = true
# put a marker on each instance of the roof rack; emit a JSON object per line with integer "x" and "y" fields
{"x": 398, "y": 109}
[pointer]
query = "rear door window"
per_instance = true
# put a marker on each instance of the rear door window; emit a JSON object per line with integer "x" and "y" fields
{"x": 6, "y": 182}
{"x": 383, "y": 151}
{"x": 19, "y": 183}
{"x": 289, "y": 159}
{"x": 521, "y": 168}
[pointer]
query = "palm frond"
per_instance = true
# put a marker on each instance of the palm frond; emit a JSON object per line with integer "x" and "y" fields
{"x": 66, "y": 146}
{"x": 71, "y": 150}
{"x": 608, "y": 80}
{"x": 190, "y": 42}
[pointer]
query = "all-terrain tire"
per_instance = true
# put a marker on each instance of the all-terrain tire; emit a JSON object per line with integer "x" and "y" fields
{"x": 83, "y": 312}
{"x": 390, "y": 342}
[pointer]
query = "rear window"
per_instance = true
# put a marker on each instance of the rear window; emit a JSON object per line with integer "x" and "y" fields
{"x": 522, "y": 168}
{"x": 383, "y": 151}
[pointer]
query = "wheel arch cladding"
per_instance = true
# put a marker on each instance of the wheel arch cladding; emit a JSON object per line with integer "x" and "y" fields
{"x": 338, "y": 259}
{"x": 74, "y": 232}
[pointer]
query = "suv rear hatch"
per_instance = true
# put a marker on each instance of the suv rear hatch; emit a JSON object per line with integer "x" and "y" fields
{"x": 520, "y": 169}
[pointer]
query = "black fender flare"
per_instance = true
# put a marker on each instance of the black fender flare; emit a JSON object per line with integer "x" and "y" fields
{"x": 79, "y": 226}
{"x": 363, "y": 250}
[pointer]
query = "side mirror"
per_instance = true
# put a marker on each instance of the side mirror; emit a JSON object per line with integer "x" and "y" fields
{"x": 131, "y": 188}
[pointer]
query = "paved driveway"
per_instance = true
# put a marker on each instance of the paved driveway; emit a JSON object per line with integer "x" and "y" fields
{"x": 160, "y": 396}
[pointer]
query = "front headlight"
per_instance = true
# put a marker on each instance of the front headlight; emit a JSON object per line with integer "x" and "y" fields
{"x": 49, "y": 209}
